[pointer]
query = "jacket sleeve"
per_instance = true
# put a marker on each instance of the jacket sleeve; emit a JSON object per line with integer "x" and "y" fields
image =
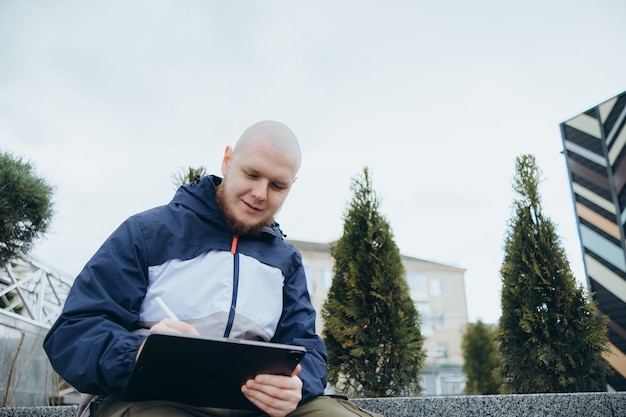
{"x": 91, "y": 345}
{"x": 297, "y": 327}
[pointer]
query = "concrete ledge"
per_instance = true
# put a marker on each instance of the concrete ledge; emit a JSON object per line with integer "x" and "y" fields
{"x": 533, "y": 405}
{"x": 530, "y": 405}
{"x": 43, "y": 411}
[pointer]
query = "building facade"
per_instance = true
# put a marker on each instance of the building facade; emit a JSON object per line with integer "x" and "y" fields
{"x": 594, "y": 144}
{"x": 438, "y": 291}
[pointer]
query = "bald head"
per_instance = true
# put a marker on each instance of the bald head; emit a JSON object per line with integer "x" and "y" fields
{"x": 258, "y": 174}
{"x": 271, "y": 135}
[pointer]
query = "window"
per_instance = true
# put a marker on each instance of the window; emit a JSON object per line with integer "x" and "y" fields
{"x": 435, "y": 287}
{"x": 310, "y": 278}
{"x": 327, "y": 278}
{"x": 425, "y": 322}
{"x": 418, "y": 285}
{"x": 439, "y": 319}
{"x": 442, "y": 350}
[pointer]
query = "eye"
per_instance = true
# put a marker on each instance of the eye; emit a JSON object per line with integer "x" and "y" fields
{"x": 277, "y": 187}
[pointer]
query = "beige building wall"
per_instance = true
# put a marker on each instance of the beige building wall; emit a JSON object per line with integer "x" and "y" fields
{"x": 438, "y": 291}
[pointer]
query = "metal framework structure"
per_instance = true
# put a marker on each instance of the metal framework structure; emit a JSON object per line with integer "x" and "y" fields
{"x": 31, "y": 298}
{"x": 31, "y": 292}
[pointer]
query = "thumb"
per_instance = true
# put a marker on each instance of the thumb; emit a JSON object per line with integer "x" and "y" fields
{"x": 297, "y": 370}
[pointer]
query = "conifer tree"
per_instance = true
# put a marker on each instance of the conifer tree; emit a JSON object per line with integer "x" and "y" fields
{"x": 26, "y": 207}
{"x": 187, "y": 175}
{"x": 550, "y": 338}
{"x": 480, "y": 359}
{"x": 371, "y": 325}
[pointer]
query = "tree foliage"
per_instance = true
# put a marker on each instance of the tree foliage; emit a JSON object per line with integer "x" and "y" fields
{"x": 26, "y": 207}
{"x": 371, "y": 326}
{"x": 480, "y": 359}
{"x": 187, "y": 175}
{"x": 550, "y": 338}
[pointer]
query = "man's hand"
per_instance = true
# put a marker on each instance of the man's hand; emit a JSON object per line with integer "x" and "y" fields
{"x": 176, "y": 326}
{"x": 172, "y": 326}
{"x": 275, "y": 395}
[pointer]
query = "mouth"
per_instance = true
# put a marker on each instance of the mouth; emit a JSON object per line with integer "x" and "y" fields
{"x": 250, "y": 207}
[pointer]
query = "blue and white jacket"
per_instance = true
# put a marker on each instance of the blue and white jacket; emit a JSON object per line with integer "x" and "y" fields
{"x": 223, "y": 285}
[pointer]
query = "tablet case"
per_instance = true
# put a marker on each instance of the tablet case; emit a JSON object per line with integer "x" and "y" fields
{"x": 205, "y": 371}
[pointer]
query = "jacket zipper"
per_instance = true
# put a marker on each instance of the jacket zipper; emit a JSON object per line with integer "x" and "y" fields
{"x": 233, "y": 302}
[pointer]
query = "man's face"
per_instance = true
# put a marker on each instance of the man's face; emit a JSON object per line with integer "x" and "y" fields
{"x": 257, "y": 180}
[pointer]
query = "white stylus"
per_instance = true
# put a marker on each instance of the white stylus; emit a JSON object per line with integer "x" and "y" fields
{"x": 166, "y": 309}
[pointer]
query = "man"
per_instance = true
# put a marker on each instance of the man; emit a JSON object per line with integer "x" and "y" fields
{"x": 218, "y": 259}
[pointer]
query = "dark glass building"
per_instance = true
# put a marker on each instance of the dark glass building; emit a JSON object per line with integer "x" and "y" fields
{"x": 594, "y": 144}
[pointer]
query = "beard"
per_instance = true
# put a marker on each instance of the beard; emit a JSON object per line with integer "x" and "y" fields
{"x": 236, "y": 227}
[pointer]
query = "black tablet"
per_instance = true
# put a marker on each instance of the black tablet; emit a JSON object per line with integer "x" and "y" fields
{"x": 205, "y": 371}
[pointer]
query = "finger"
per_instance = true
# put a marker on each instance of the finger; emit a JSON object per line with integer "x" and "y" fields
{"x": 274, "y": 389}
{"x": 182, "y": 327}
{"x": 297, "y": 370}
{"x": 272, "y": 406}
{"x": 169, "y": 325}
{"x": 274, "y": 384}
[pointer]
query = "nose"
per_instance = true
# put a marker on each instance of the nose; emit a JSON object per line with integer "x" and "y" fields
{"x": 259, "y": 190}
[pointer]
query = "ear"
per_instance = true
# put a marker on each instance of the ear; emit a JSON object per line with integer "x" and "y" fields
{"x": 228, "y": 156}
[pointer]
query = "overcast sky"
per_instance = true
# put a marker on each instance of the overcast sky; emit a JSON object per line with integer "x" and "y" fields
{"x": 109, "y": 98}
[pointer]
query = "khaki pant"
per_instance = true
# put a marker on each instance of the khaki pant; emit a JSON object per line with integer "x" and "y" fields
{"x": 324, "y": 406}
